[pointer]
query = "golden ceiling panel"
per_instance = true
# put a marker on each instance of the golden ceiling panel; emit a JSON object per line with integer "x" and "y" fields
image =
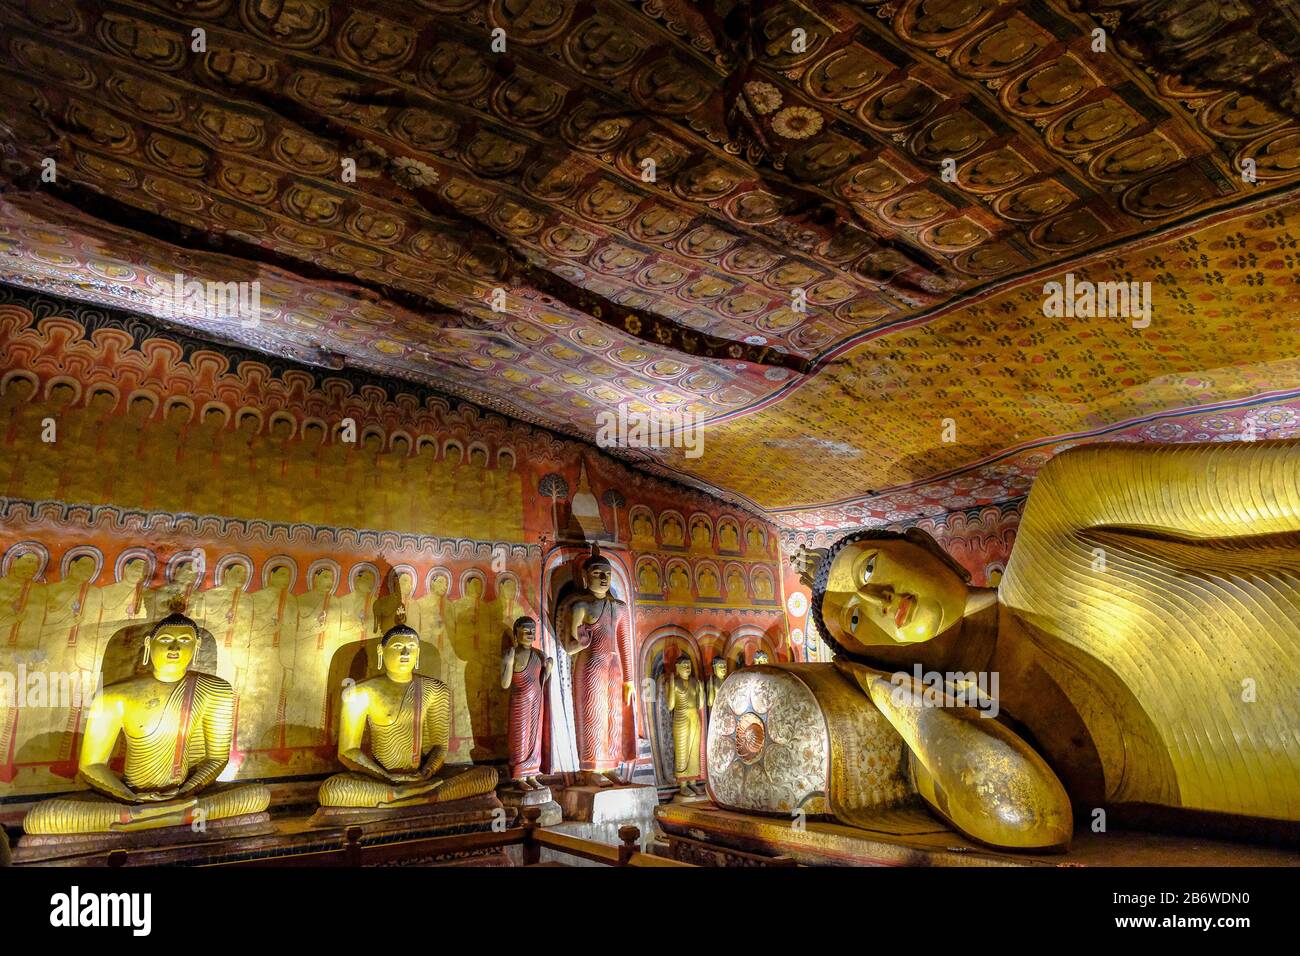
{"x": 998, "y": 373}
{"x": 677, "y": 179}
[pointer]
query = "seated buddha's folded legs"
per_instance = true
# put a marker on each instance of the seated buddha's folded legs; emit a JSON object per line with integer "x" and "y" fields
{"x": 360, "y": 790}
{"x": 94, "y": 813}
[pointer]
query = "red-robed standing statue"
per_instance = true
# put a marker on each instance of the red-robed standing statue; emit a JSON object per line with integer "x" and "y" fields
{"x": 600, "y": 643}
{"x": 524, "y": 671}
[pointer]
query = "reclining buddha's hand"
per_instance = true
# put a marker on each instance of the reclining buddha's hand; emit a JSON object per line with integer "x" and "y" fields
{"x": 860, "y": 674}
{"x": 972, "y": 770}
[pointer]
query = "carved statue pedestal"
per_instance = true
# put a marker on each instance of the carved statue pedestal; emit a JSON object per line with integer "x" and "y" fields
{"x": 617, "y": 804}
{"x": 909, "y": 835}
{"x": 33, "y": 848}
{"x": 435, "y": 819}
{"x": 597, "y": 813}
{"x": 543, "y": 798}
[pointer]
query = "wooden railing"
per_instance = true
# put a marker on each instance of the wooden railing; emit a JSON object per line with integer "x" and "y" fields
{"x": 530, "y": 836}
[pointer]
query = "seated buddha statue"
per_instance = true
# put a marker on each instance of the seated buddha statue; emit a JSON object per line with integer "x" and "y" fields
{"x": 178, "y": 725}
{"x": 408, "y": 717}
{"x": 1139, "y": 656}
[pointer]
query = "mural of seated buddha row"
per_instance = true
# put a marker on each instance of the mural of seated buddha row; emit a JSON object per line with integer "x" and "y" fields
{"x": 701, "y": 534}
{"x": 145, "y": 451}
{"x": 284, "y": 630}
{"x": 694, "y": 582}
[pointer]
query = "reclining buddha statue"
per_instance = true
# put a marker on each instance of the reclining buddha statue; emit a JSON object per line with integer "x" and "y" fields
{"x": 178, "y": 725}
{"x": 408, "y": 717}
{"x": 1140, "y": 657}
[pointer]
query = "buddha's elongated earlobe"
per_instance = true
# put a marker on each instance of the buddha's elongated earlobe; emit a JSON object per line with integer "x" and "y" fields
{"x": 379, "y": 656}
{"x": 147, "y": 642}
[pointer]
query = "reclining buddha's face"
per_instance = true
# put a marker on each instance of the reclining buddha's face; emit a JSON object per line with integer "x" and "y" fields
{"x": 890, "y": 591}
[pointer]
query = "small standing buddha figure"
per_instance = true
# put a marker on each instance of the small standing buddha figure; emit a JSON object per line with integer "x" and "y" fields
{"x": 685, "y": 698}
{"x": 719, "y": 668}
{"x": 178, "y": 726}
{"x": 524, "y": 669}
{"x": 409, "y": 719}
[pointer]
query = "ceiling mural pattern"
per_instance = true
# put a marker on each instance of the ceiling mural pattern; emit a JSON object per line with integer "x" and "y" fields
{"x": 996, "y": 373}
{"x": 683, "y": 211}
{"x": 1246, "y": 45}
{"x": 1005, "y": 481}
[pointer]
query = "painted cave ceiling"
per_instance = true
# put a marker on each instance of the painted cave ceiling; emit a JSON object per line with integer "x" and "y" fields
{"x": 687, "y": 213}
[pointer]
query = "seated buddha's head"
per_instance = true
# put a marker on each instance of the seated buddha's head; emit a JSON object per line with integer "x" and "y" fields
{"x": 170, "y": 647}
{"x": 884, "y": 588}
{"x": 399, "y": 652}
{"x": 141, "y": 408}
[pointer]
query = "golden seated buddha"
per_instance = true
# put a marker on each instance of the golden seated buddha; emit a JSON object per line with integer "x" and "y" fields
{"x": 1144, "y": 638}
{"x": 178, "y": 725}
{"x": 409, "y": 720}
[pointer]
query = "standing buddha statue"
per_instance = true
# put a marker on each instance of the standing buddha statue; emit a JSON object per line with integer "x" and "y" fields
{"x": 524, "y": 670}
{"x": 685, "y": 699}
{"x": 600, "y": 643}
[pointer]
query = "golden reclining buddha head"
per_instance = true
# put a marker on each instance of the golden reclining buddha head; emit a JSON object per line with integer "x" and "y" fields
{"x": 882, "y": 587}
